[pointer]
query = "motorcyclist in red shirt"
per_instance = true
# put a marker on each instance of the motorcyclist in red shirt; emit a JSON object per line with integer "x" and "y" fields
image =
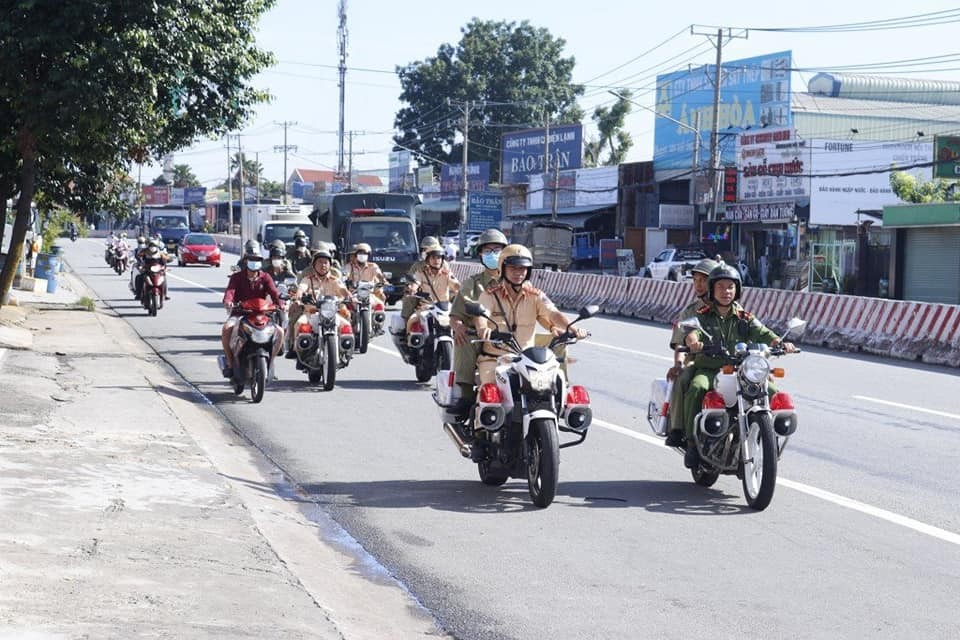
{"x": 249, "y": 282}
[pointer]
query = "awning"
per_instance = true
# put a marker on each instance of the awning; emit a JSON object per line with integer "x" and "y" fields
{"x": 563, "y": 211}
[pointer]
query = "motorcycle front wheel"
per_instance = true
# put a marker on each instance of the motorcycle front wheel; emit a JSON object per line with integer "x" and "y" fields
{"x": 489, "y": 477}
{"x": 760, "y": 467}
{"x": 329, "y": 362}
{"x": 363, "y": 333}
{"x": 704, "y": 477}
{"x": 444, "y": 356}
{"x": 152, "y": 304}
{"x": 259, "y": 381}
{"x": 543, "y": 462}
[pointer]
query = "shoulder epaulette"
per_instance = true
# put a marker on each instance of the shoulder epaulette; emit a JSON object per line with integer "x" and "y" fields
{"x": 743, "y": 314}
{"x": 704, "y": 309}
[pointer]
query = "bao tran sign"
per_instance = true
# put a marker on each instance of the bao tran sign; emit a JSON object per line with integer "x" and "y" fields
{"x": 521, "y": 152}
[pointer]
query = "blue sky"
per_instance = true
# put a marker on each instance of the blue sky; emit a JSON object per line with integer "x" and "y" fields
{"x": 610, "y": 41}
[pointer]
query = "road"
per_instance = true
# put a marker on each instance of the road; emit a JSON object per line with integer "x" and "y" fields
{"x": 862, "y": 537}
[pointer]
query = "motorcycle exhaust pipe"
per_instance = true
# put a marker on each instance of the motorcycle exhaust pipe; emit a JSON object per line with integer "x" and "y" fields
{"x": 462, "y": 446}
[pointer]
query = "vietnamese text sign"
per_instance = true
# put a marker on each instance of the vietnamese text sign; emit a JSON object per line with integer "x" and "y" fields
{"x": 947, "y": 156}
{"x": 773, "y": 165}
{"x": 451, "y": 179}
{"x": 851, "y": 175}
{"x": 399, "y": 162}
{"x": 753, "y": 92}
{"x": 485, "y": 210}
{"x": 521, "y": 152}
{"x": 156, "y": 195}
{"x": 760, "y": 212}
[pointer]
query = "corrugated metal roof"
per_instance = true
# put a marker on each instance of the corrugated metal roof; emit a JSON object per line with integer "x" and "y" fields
{"x": 819, "y": 104}
{"x": 872, "y": 87}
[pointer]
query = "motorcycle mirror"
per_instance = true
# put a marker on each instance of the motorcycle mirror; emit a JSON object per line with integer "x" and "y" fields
{"x": 588, "y": 311}
{"x": 475, "y": 309}
{"x": 388, "y": 274}
{"x": 234, "y": 268}
{"x": 693, "y": 324}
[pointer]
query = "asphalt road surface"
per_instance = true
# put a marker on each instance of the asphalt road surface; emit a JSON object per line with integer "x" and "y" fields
{"x": 862, "y": 538}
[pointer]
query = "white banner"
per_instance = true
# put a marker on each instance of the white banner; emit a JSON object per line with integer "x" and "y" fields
{"x": 773, "y": 164}
{"x": 835, "y": 200}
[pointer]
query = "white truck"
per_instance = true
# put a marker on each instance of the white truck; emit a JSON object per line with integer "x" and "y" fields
{"x": 268, "y": 222}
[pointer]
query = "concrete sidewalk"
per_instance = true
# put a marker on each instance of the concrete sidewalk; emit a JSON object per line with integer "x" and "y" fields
{"x": 129, "y": 508}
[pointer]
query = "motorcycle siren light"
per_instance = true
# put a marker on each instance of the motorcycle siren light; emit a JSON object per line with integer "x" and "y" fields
{"x": 490, "y": 394}
{"x": 378, "y": 306}
{"x": 304, "y": 327}
{"x": 713, "y": 400}
{"x": 578, "y": 395}
{"x": 346, "y": 330}
{"x": 451, "y": 378}
{"x": 781, "y": 402}
{"x": 416, "y": 327}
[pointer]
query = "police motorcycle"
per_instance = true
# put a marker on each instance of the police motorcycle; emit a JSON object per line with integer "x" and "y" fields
{"x": 740, "y": 430}
{"x": 429, "y": 344}
{"x": 366, "y": 319}
{"x": 513, "y": 430}
{"x": 319, "y": 347}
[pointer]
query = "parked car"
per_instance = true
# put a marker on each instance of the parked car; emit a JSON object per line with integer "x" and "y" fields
{"x": 674, "y": 263}
{"x": 198, "y": 248}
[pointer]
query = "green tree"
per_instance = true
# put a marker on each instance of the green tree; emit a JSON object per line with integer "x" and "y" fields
{"x": 88, "y": 87}
{"x": 160, "y": 181}
{"x": 610, "y": 122}
{"x": 183, "y": 176}
{"x": 252, "y": 170}
{"x": 516, "y": 76}
{"x": 909, "y": 188}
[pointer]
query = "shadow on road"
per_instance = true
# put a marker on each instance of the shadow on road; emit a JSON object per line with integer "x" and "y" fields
{"x": 662, "y": 496}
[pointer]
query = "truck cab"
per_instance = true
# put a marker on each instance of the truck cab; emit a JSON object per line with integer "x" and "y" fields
{"x": 172, "y": 226}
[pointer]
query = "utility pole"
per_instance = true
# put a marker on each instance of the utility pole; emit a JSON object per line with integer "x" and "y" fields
{"x": 715, "y": 125}
{"x": 350, "y": 171}
{"x": 696, "y": 159}
{"x": 464, "y": 195}
{"x": 256, "y": 156}
{"x": 229, "y": 191}
{"x": 342, "y": 47}
{"x": 285, "y": 148}
{"x": 243, "y": 195}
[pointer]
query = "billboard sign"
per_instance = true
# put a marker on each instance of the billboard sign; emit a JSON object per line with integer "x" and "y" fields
{"x": 761, "y": 212}
{"x": 754, "y": 92}
{"x": 485, "y": 210}
{"x": 156, "y": 195}
{"x": 773, "y": 165}
{"x": 521, "y": 152}
{"x": 946, "y": 151}
{"x": 194, "y": 195}
{"x": 451, "y": 179}
{"x": 399, "y": 169}
{"x": 850, "y": 175}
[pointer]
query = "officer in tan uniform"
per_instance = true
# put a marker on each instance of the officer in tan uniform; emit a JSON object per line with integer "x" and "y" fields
{"x": 434, "y": 280}
{"x": 318, "y": 282}
{"x": 515, "y": 305}
{"x": 360, "y": 269}
{"x": 491, "y": 243}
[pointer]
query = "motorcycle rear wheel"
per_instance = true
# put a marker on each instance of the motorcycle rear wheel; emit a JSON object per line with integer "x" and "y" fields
{"x": 543, "y": 462}
{"x": 259, "y": 381}
{"x": 760, "y": 473}
{"x": 329, "y": 362}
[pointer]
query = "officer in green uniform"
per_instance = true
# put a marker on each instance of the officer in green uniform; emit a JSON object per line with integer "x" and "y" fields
{"x": 491, "y": 242}
{"x": 679, "y": 373}
{"x": 727, "y": 323}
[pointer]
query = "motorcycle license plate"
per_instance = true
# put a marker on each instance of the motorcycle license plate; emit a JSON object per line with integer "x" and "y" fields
{"x": 201, "y": 258}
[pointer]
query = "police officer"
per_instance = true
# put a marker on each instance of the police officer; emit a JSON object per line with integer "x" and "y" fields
{"x": 728, "y": 323}
{"x": 301, "y": 256}
{"x": 491, "y": 243}
{"x": 515, "y": 305}
{"x": 291, "y": 252}
{"x": 679, "y": 374}
{"x": 434, "y": 281}
{"x": 360, "y": 269}
{"x": 318, "y": 283}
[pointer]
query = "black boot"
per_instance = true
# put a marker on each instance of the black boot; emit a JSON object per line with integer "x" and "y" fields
{"x": 674, "y": 438}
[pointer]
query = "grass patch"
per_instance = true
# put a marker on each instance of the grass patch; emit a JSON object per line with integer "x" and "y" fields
{"x": 87, "y": 303}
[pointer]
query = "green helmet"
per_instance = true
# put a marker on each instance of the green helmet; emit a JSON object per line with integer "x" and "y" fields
{"x": 724, "y": 271}
{"x": 492, "y": 236}
{"x": 705, "y": 266}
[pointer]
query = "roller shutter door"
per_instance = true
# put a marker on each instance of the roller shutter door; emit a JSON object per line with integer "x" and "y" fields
{"x": 932, "y": 265}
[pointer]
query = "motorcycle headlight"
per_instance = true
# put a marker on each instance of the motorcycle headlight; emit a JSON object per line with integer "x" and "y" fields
{"x": 540, "y": 380}
{"x": 755, "y": 369}
{"x": 263, "y": 335}
{"x": 363, "y": 294}
{"x": 155, "y": 268}
{"x": 328, "y": 309}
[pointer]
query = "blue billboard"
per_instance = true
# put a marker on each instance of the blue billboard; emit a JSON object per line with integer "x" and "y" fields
{"x": 485, "y": 210}
{"x": 754, "y": 92}
{"x": 521, "y": 152}
{"x": 194, "y": 195}
{"x": 451, "y": 179}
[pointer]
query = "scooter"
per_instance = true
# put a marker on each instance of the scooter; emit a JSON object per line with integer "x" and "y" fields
{"x": 154, "y": 277}
{"x": 253, "y": 346}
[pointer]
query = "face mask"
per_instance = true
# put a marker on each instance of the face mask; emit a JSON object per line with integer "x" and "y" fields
{"x": 254, "y": 265}
{"x": 277, "y": 263}
{"x": 362, "y": 258}
{"x": 490, "y": 260}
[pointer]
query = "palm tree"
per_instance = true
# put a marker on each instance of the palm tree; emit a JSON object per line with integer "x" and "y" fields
{"x": 183, "y": 176}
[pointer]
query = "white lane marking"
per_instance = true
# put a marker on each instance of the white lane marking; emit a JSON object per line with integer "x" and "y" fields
{"x": 3, "y": 353}
{"x": 196, "y": 284}
{"x": 910, "y": 407}
{"x": 847, "y": 503}
{"x": 656, "y": 356}
{"x": 389, "y": 352}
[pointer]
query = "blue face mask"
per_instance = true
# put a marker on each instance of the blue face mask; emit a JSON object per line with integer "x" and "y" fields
{"x": 490, "y": 260}
{"x": 254, "y": 265}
